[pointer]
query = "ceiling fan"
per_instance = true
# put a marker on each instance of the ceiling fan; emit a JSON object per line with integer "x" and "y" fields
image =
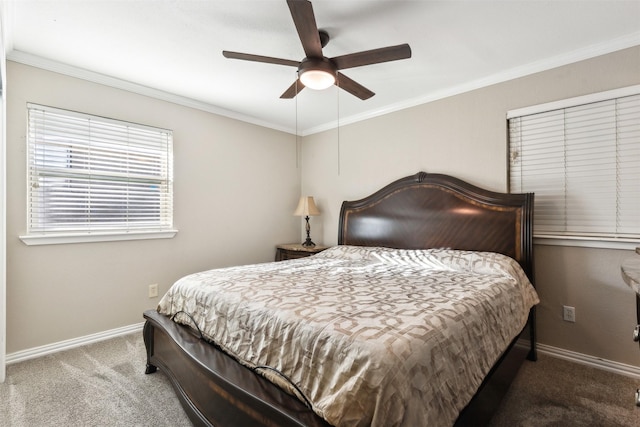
{"x": 316, "y": 71}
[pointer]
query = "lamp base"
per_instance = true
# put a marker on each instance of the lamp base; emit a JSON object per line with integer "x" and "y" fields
{"x": 308, "y": 243}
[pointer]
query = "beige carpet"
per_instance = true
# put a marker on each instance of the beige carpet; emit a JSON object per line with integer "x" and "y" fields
{"x": 554, "y": 392}
{"x": 101, "y": 384}
{"x": 104, "y": 384}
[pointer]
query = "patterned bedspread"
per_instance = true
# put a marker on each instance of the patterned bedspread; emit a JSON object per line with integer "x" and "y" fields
{"x": 371, "y": 336}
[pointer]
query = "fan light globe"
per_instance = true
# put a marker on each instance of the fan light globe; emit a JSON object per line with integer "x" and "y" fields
{"x": 317, "y": 79}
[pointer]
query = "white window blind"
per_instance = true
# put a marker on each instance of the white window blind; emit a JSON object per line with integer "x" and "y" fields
{"x": 90, "y": 174}
{"x": 583, "y": 164}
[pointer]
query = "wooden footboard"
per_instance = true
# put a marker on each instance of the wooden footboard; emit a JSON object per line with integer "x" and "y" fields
{"x": 213, "y": 388}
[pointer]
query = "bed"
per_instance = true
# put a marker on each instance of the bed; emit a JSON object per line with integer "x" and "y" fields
{"x": 431, "y": 219}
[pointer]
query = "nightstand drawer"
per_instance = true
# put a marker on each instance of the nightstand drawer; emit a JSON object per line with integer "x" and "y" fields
{"x": 296, "y": 250}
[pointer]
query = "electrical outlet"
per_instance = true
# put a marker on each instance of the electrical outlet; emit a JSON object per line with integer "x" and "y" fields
{"x": 568, "y": 313}
{"x": 153, "y": 290}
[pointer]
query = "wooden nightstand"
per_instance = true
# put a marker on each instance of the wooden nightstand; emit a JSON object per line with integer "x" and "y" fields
{"x": 296, "y": 250}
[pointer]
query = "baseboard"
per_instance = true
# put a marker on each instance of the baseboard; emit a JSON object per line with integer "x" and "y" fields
{"x": 32, "y": 353}
{"x": 594, "y": 362}
{"x": 560, "y": 353}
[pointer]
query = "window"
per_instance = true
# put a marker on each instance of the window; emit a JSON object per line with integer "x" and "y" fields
{"x": 581, "y": 158}
{"x": 95, "y": 178}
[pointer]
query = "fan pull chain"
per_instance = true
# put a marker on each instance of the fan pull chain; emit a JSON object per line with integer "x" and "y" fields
{"x": 296, "y": 130}
{"x": 338, "y": 109}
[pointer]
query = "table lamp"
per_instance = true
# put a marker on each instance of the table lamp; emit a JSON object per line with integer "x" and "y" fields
{"x": 307, "y": 207}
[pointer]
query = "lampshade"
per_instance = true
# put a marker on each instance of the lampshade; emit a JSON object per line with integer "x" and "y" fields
{"x": 317, "y": 79}
{"x": 306, "y": 207}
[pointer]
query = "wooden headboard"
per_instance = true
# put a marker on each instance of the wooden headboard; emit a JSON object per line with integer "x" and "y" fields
{"x": 439, "y": 211}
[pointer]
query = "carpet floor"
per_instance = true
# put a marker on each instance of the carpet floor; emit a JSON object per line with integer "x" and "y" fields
{"x": 104, "y": 384}
{"x": 101, "y": 384}
{"x": 556, "y": 393}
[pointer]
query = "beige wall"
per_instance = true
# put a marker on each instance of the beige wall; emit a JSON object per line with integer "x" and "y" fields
{"x": 235, "y": 188}
{"x": 465, "y": 135}
{"x": 224, "y": 168}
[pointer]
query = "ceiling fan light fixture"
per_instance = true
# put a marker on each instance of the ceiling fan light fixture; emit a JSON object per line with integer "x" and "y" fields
{"x": 317, "y": 74}
{"x": 316, "y": 71}
{"x": 317, "y": 79}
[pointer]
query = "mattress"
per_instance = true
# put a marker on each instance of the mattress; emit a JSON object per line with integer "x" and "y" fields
{"x": 369, "y": 336}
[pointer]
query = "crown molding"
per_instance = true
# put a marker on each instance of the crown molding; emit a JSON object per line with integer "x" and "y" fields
{"x": 589, "y": 52}
{"x": 103, "y": 79}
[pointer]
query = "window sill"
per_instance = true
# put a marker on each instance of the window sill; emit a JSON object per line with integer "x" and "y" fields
{"x": 59, "y": 239}
{"x": 588, "y": 242}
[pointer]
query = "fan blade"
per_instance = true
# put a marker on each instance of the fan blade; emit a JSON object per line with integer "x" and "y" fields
{"x": 353, "y": 87}
{"x": 259, "y": 58}
{"x": 293, "y": 90}
{"x": 375, "y": 56}
{"x": 305, "y": 22}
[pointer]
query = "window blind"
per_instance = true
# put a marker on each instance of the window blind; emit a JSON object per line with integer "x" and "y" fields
{"x": 91, "y": 174}
{"x": 583, "y": 164}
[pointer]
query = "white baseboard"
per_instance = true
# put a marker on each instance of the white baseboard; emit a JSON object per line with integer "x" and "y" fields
{"x": 595, "y": 362}
{"x": 20, "y": 356}
{"x": 571, "y": 356}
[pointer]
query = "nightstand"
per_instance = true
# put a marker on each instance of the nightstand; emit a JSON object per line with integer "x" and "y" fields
{"x": 296, "y": 250}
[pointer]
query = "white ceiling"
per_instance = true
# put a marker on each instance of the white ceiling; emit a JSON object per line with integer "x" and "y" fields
{"x": 173, "y": 49}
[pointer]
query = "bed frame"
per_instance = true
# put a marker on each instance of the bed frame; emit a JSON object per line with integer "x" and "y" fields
{"x": 416, "y": 212}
